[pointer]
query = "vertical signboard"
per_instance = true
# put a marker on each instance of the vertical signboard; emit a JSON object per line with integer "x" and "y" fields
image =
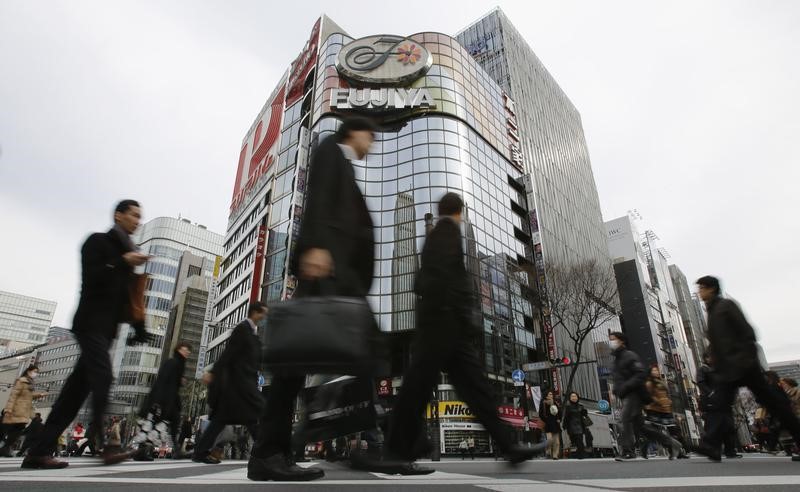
{"x": 258, "y": 263}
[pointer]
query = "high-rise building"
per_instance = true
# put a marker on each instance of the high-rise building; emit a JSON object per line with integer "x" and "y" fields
{"x": 650, "y": 314}
{"x": 546, "y": 136}
{"x": 56, "y": 361}
{"x": 24, "y": 321}
{"x": 443, "y": 127}
{"x": 189, "y": 307}
{"x": 693, "y": 322}
{"x": 166, "y": 239}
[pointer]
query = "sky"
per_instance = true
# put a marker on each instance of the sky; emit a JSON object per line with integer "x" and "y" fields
{"x": 691, "y": 112}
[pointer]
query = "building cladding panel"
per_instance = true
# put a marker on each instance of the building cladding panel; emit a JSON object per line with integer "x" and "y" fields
{"x": 24, "y": 320}
{"x": 166, "y": 239}
{"x": 693, "y": 324}
{"x": 555, "y": 153}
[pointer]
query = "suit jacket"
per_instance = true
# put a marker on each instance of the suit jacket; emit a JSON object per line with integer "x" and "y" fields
{"x": 166, "y": 390}
{"x": 105, "y": 282}
{"x": 234, "y": 396}
{"x": 447, "y": 300}
{"x": 336, "y": 218}
{"x": 732, "y": 341}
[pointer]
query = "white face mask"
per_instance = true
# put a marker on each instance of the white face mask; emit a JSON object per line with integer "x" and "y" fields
{"x": 33, "y": 374}
{"x": 614, "y": 344}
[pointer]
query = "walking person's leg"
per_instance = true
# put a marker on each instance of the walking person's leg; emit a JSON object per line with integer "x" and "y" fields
{"x": 631, "y": 411}
{"x": 12, "y": 432}
{"x": 777, "y": 407}
{"x": 206, "y": 442}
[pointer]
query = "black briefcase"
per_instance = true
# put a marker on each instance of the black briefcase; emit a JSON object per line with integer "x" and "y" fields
{"x": 338, "y": 408}
{"x": 321, "y": 335}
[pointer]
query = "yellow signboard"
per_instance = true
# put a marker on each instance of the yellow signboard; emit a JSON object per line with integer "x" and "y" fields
{"x": 450, "y": 410}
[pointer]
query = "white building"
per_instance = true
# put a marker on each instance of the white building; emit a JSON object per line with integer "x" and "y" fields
{"x": 24, "y": 320}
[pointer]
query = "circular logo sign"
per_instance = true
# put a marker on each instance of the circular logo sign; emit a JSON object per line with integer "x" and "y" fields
{"x": 603, "y": 405}
{"x": 383, "y": 60}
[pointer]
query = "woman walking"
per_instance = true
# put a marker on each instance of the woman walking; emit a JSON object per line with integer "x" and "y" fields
{"x": 550, "y": 413}
{"x": 19, "y": 409}
{"x": 575, "y": 416}
{"x": 659, "y": 411}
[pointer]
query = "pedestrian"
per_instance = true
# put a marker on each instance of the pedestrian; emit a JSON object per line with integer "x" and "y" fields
{"x": 31, "y": 433}
{"x": 574, "y": 421}
{"x": 233, "y": 392}
{"x": 90, "y": 441}
{"x": 629, "y": 385}
{"x": 471, "y": 447}
{"x": 777, "y": 430}
{"x": 734, "y": 352}
{"x": 108, "y": 280}
{"x": 161, "y": 409}
{"x": 463, "y": 447}
{"x": 335, "y": 246}
{"x": 19, "y": 409}
{"x": 446, "y": 330}
{"x": 114, "y": 439}
{"x": 789, "y": 385}
{"x": 185, "y": 433}
{"x": 659, "y": 410}
{"x": 715, "y": 412}
{"x": 550, "y": 413}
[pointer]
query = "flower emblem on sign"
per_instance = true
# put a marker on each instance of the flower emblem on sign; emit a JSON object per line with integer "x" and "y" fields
{"x": 409, "y": 54}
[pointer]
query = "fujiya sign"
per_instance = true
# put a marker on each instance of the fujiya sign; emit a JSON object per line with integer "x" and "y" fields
{"x": 398, "y": 98}
{"x": 383, "y": 60}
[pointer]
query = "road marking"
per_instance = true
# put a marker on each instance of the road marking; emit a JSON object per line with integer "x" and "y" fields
{"x": 441, "y": 477}
{"x": 664, "y": 482}
{"x": 547, "y": 487}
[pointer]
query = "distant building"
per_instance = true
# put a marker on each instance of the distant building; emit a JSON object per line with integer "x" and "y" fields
{"x": 787, "y": 369}
{"x": 24, "y": 320}
{"x": 694, "y": 324}
{"x": 56, "y": 361}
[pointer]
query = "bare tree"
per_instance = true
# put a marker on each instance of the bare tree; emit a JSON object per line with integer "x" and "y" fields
{"x": 579, "y": 297}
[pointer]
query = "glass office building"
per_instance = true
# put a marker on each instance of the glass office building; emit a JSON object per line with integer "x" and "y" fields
{"x": 565, "y": 207}
{"x": 457, "y": 142}
{"x": 24, "y": 321}
{"x": 166, "y": 239}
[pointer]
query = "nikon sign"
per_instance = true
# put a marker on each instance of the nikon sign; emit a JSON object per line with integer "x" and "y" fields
{"x": 381, "y": 98}
{"x": 451, "y": 410}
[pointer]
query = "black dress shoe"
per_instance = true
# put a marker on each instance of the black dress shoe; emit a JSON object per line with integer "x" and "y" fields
{"x": 43, "y": 463}
{"x": 518, "y": 454}
{"x": 626, "y": 457}
{"x": 709, "y": 452}
{"x": 276, "y": 468}
{"x": 733, "y": 456}
{"x": 207, "y": 459}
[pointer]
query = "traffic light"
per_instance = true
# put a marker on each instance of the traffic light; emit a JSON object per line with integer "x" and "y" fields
{"x": 562, "y": 361}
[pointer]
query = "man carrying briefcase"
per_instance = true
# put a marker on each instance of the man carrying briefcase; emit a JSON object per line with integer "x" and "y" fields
{"x": 335, "y": 246}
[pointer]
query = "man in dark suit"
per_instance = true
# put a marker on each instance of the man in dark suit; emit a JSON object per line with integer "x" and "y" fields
{"x": 444, "y": 342}
{"x": 335, "y": 247}
{"x": 734, "y": 354}
{"x": 233, "y": 395}
{"x": 107, "y": 263}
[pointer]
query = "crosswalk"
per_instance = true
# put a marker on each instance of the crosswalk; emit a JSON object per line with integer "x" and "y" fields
{"x": 492, "y": 476}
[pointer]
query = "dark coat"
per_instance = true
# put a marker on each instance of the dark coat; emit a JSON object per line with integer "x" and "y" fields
{"x": 166, "y": 390}
{"x": 573, "y": 418}
{"x": 336, "y": 218}
{"x": 629, "y": 375}
{"x": 552, "y": 423}
{"x": 712, "y": 398}
{"x": 105, "y": 282}
{"x": 446, "y": 297}
{"x": 732, "y": 341}
{"x": 234, "y": 396}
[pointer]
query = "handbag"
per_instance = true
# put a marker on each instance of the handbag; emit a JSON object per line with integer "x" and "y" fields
{"x": 321, "y": 335}
{"x": 136, "y": 290}
{"x": 338, "y": 408}
{"x": 587, "y": 422}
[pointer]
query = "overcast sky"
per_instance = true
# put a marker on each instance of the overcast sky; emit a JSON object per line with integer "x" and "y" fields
{"x": 690, "y": 110}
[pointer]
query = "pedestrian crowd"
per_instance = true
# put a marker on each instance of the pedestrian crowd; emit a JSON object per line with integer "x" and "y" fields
{"x": 334, "y": 264}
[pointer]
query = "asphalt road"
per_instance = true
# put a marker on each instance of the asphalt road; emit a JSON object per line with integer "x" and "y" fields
{"x": 754, "y": 472}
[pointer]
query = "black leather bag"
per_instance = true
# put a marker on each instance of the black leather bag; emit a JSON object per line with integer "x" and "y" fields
{"x": 321, "y": 335}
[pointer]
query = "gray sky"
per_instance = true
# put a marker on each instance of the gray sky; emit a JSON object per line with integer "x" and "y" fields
{"x": 690, "y": 110}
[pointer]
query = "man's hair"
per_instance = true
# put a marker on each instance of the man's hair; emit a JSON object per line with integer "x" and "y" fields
{"x": 709, "y": 282}
{"x": 790, "y": 381}
{"x": 355, "y": 124}
{"x": 256, "y": 306}
{"x": 38, "y": 414}
{"x": 619, "y": 336}
{"x": 125, "y": 205}
{"x": 450, "y": 204}
{"x": 32, "y": 367}
{"x": 183, "y": 343}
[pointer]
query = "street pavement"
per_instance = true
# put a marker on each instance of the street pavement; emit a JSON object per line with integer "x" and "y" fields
{"x": 760, "y": 473}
